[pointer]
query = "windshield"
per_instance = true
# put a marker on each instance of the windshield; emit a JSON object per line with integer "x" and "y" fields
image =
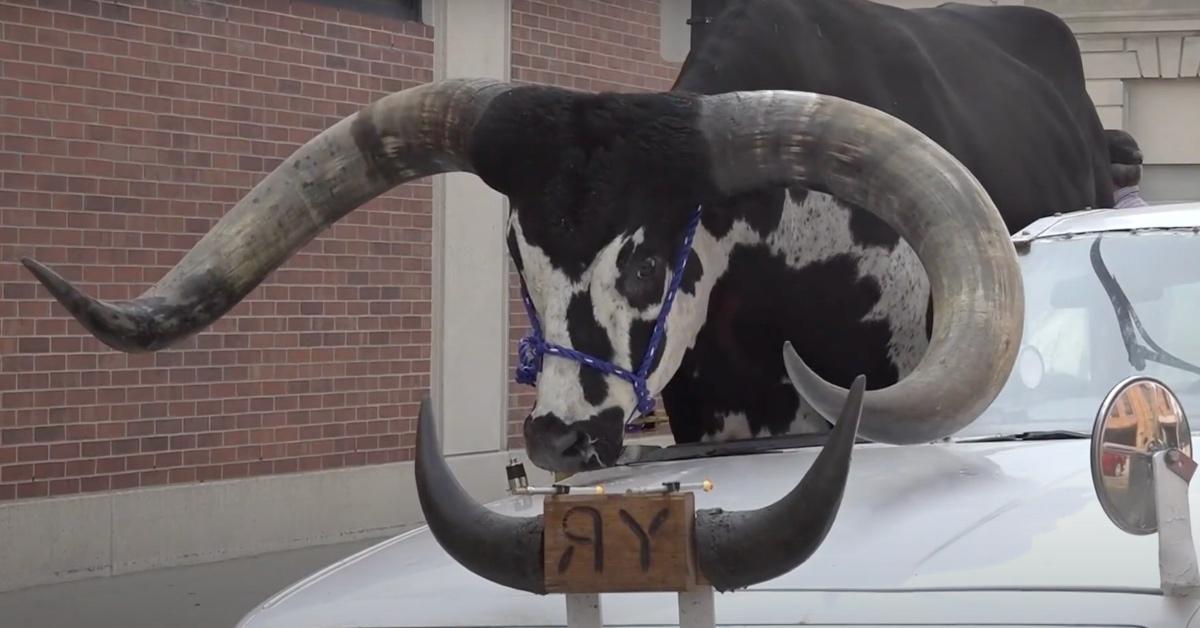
{"x": 1100, "y": 308}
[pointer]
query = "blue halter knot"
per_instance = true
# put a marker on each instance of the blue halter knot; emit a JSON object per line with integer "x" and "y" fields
{"x": 533, "y": 347}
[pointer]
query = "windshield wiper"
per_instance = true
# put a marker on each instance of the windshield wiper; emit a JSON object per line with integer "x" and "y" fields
{"x": 685, "y": 451}
{"x": 1029, "y": 436}
{"x": 1130, "y": 324}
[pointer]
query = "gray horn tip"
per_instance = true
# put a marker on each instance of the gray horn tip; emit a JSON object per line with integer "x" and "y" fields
{"x": 739, "y": 549}
{"x": 111, "y": 324}
{"x": 58, "y": 287}
{"x": 504, "y": 549}
{"x": 822, "y": 396}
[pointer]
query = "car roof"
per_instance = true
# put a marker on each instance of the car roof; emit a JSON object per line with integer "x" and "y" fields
{"x": 1185, "y": 215}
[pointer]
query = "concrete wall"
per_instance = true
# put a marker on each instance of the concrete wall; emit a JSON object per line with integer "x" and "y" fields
{"x": 1141, "y": 59}
{"x": 116, "y": 532}
{"x": 1142, "y": 62}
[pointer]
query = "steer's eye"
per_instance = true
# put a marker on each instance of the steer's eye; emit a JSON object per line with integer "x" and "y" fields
{"x": 640, "y": 280}
{"x": 645, "y": 269}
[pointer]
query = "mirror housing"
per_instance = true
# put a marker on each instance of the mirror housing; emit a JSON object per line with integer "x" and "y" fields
{"x": 1141, "y": 459}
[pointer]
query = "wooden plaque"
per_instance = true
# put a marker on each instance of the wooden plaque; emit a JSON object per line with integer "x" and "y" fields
{"x": 619, "y": 543}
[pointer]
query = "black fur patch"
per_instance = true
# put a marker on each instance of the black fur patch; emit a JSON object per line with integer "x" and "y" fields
{"x": 870, "y": 230}
{"x": 580, "y": 169}
{"x": 738, "y": 354}
{"x": 589, "y": 337}
{"x": 586, "y": 333}
{"x": 639, "y": 343}
{"x": 641, "y": 275}
{"x": 762, "y": 210}
{"x": 691, "y": 274}
{"x": 595, "y": 387}
{"x": 607, "y": 428}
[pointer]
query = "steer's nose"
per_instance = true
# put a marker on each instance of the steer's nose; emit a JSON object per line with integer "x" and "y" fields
{"x": 555, "y": 445}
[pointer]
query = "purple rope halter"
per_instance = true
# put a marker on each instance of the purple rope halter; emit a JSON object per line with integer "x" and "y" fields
{"x": 533, "y": 346}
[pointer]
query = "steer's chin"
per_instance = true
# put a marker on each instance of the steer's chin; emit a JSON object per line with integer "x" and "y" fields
{"x": 581, "y": 454}
{"x": 574, "y": 459}
{"x": 555, "y": 445}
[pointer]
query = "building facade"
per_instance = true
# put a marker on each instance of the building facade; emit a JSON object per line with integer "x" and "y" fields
{"x": 128, "y": 128}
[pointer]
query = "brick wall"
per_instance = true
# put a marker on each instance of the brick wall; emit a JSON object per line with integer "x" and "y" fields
{"x": 126, "y": 130}
{"x": 594, "y": 45}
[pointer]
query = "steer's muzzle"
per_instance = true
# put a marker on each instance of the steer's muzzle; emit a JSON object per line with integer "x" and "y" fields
{"x": 555, "y": 445}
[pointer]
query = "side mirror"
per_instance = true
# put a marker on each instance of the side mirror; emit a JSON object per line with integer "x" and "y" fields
{"x": 1142, "y": 464}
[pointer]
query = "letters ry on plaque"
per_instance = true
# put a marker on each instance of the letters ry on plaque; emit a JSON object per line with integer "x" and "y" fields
{"x": 619, "y": 543}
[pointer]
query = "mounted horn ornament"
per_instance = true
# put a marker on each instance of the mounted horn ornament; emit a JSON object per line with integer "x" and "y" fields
{"x": 733, "y": 550}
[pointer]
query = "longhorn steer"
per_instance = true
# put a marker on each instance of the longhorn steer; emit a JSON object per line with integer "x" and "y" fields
{"x": 604, "y": 186}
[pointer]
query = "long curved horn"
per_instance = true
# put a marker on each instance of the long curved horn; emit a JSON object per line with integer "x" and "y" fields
{"x": 738, "y": 549}
{"x": 506, "y": 550}
{"x": 406, "y": 135}
{"x": 879, "y": 162}
{"x": 734, "y": 549}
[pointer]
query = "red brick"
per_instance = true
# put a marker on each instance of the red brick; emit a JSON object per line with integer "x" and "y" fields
{"x": 94, "y": 483}
{"x": 16, "y": 473}
{"x": 16, "y": 436}
{"x": 31, "y": 490}
{"x": 79, "y": 468}
{"x": 124, "y": 481}
{"x": 63, "y": 487}
{"x": 63, "y": 451}
{"x": 49, "y": 470}
{"x": 135, "y": 148}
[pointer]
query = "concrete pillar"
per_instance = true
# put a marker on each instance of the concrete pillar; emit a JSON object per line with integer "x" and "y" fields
{"x": 470, "y": 274}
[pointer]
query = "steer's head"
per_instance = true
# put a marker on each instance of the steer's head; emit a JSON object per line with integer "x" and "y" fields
{"x": 602, "y": 187}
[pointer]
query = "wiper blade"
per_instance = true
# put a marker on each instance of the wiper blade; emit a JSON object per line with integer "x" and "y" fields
{"x": 687, "y": 451}
{"x": 1029, "y": 436}
{"x": 1129, "y": 323}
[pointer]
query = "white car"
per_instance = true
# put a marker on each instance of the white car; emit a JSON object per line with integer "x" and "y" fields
{"x": 1007, "y": 523}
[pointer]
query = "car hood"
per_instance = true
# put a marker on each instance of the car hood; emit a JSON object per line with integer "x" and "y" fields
{"x": 939, "y": 517}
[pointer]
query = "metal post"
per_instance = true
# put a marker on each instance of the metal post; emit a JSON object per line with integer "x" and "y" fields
{"x": 583, "y": 610}
{"x": 697, "y": 608}
{"x": 1176, "y": 552}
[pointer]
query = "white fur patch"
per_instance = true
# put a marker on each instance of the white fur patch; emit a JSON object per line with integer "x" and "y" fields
{"x": 814, "y": 230}
{"x": 819, "y": 228}
{"x": 551, "y": 290}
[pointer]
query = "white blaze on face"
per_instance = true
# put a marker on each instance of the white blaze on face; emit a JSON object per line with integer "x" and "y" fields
{"x": 615, "y": 315}
{"x": 550, "y": 290}
{"x": 560, "y": 390}
{"x": 559, "y": 385}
